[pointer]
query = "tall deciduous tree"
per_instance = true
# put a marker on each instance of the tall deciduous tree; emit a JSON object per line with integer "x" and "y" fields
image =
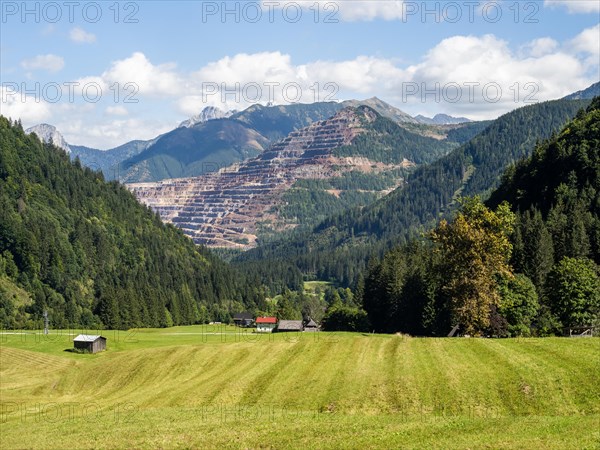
{"x": 475, "y": 248}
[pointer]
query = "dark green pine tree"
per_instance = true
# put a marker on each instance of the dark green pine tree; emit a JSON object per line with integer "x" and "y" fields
{"x": 534, "y": 250}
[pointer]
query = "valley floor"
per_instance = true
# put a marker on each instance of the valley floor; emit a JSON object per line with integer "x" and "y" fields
{"x": 221, "y": 387}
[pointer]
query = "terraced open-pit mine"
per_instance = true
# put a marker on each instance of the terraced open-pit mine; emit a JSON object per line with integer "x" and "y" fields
{"x": 221, "y": 209}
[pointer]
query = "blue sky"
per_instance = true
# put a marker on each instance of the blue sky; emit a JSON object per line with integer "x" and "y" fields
{"x": 167, "y": 60}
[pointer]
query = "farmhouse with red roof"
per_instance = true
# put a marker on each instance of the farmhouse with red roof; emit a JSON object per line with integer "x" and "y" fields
{"x": 265, "y": 324}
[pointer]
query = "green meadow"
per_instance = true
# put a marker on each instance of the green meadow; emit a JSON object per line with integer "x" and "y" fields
{"x": 220, "y": 387}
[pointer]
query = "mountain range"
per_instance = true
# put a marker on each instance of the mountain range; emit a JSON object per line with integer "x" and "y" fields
{"x": 340, "y": 246}
{"x": 91, "y": 254}
{"x": 215, "y": 139}
{"x": 441, "y": 119}
{"x": 348, "y": 160}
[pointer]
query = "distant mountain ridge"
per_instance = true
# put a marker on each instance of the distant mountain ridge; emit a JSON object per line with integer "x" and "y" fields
{"x": 383, "y": 108}
{"x": 345, "y": 161}
{"x": 204, "y": 147}
{"x": 585, "y": 94}
{"x": 194, "y": 148}
{"x": 182, "y": 152}
{"x": 441, "y": 119}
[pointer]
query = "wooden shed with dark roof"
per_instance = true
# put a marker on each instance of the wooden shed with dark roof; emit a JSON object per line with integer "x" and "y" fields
{"x": 90, "y": 343}
{"x": 311, "y": 326}
{"x": 243, "y": 319}
{"x": 290, "y": 325}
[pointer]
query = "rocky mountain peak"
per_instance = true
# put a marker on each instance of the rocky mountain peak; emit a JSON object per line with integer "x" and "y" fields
{"x": 208, "y": 113}
{"x": 48, "y": 132}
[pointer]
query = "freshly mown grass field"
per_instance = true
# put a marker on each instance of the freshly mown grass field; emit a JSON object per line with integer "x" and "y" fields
{"x": 221, "y": 387}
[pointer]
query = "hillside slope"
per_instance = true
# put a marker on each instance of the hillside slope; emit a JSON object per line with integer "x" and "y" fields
{"x": 203, "y": 148}
{"x": 556, "y": 194}
{"x": 90, "y": 254}
{"x": 346, "y": 161}
{"x": 340, "y": 246}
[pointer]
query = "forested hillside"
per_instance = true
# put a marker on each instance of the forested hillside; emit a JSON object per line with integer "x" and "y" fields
{"x": 556, "y": 195}
{"x": 339, "y": 248}
{"x": 91, "y": 255}
{"x": 504, "y": 273}
{"x": 387, "y": 142}
{"x": 205, "y": 147}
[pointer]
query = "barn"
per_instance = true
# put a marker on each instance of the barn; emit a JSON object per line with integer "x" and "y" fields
{"x": 90, "y": 343}
{"x": 290, "y": 325}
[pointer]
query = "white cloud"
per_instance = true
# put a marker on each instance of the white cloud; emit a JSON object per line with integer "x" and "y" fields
{"x": 367, "y": 10}
{"x": 542, "y": 69}
{"x": 539, "y": 47}
{"x": 587, "y": 46}
{"x": 588, "y": 41}
{"x": 150, "y": 79}
{"x": 29, "y": 109}
{"x": 108, "y": 133}
{"x": 575, "y": 6}
{"x": 489, "y": 61}
{"x": 116, "y": 111}
{"x": 51, "y": 63}
{"x": 362, "y": 74}
{"x": 347, "y": 10}
{"x": 81, "y": 36}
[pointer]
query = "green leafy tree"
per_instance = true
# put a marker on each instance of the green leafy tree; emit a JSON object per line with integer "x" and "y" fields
{"x": 345, "y": 318}
{"x": 287, "y": 306}
{"x": 475, "y": 249}
{"x": 573, "y": 292}
{"x": 519, "y": 304}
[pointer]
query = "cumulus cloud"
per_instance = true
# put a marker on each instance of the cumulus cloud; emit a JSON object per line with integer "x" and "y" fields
{"x": 116, "y": 111}
{"x": 371, "y": 9}
{"x": 512, "y": 80}
{"x": 539, "y": 70}
{"x": 575, "y": 6}
{"x": 109, "y": 132}
{"x": 539, "y": 47}
{"x": 49, "y": 62}
{"x": 150, "y": 79}
{"x": 81, "y": 36}
{"x": 16, "y": 106}
{"x": 492, "y": 77}
{"x": 588, "y": 41}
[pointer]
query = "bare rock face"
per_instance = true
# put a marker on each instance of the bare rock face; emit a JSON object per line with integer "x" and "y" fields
{"x": 208, "y": 113}
{"x": 222, "y": 209}
{"x": 48, "y": 133}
